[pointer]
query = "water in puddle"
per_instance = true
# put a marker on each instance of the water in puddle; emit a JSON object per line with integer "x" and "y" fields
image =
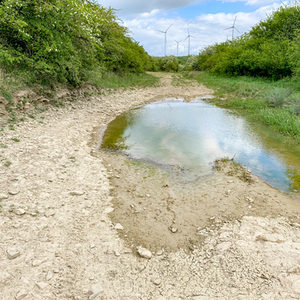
{"x": 191, "y": 136}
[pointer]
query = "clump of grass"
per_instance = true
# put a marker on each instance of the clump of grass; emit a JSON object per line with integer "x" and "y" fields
{"x": 15, "y": 140}
{"x": 296, "y": 109}
{"x": 115, "y": 81}
{"x": 277, "y": 96}
{"x": 233, "y": 168}
{"x": 7, "y": 163}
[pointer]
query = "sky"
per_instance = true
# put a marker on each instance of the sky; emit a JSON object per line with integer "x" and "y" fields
{"x": 205, "y": 20}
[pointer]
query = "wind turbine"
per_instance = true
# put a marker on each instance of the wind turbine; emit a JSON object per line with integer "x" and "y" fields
{"x": 165, "y": 33}
{"x": 189, "y": 42}
{"x": 233, "y": 27}
{"x": 178, "y": 42}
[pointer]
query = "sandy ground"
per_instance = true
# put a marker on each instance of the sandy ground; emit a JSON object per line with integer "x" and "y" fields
{"x": 58, "y": 233}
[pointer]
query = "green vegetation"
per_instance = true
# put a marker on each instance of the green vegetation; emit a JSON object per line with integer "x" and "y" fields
{"x": 165, "y": 64}
{"x": 271, "y": 49}
{"x": 274, "y": 103}
{"x": 15, "y": 140}
{"x": 64, "y": 40}
{"x": 114, "y": 81}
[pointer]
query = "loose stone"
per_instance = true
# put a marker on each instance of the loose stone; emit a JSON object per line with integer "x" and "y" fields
{"x": 41, "y": 285}
{"x": 118, "y": 226}
{"x": 3, "y": 196}
{"x": 13, "y": 192}
{"x": 143, "y": 252}
{"x": 20, "y": 211}
{"x": 21, "y": 294}
{"x": 13, "y": 253}
{"x": 77, "y": 193}
{"x": 95, "y": 291}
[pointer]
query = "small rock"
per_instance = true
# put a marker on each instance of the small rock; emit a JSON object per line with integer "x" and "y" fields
{"x": 109, "y": 210}
{"x": 143, "y": 252}
{"x": 19, "y": 211}
{"x": 13, "y": 253}
{"x": 250, "y": 200}
{"x": 173, "y": 229}
{"x": 160, "y": 252}
{"x": 49, "y": 213}
{"x": 37, "y": 262}
{"x": 118, "y": 226}
{"x": 227, "y": 193}
{"x": 41, "y": 285}
{"x": 13, "y": 191}
{"x": 49, "y": 276}
{"x": 95, "y": 291}
{"x": 117, "y": 253}
{"x": 156, "y": 281}
{"x": 3, "y": 196}
{"x": 21, "y": 294}
{"x": 77, "y": 193}
{"x": 148, "y": 196}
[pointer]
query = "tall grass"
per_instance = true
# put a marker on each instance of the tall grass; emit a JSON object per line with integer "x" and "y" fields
{"x": 128, "y": 80}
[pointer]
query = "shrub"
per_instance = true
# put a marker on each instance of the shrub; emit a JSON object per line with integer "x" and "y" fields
{"x": 277, "y": 96}
{"x": 60, "y": 40}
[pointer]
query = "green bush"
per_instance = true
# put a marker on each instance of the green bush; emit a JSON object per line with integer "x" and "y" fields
{"x": 271, "y": 49}
{"x": 59, "y": 40}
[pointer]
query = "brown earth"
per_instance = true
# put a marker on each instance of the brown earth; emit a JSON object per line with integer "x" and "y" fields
{"x": 59, "y": 237}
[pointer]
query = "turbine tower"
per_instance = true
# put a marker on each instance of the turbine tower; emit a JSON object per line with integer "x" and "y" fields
{"x": 233, "y": 27}
{"x": 165, "y": 33}
{"x": 189, "y": 42}
{"x": 178, "y": 42}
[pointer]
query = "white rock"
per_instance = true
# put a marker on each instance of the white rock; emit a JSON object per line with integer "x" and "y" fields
{"x": 95, "y": 291}
{"x": 3, "y": 196}
{"x": 108, "y": 210}
{"x": 118, "y": 226}
{"x": 41, "y": 285}
{"x": 21, "y": 294}
{"x": 37, "y": 262}
{"x": 143, "y": 252}
{"x": 173, "y": 229}
{"x": 20, "y": 211}
{"x": 77, "y": 193}
{"x": 117, "y": 253}
{"x": 13, "y": 191}
{"x": 156, "y": 281}
{"x": 49, "y": 213}
{"x": 13, "y": 253}
{"x": 49, "y": 276}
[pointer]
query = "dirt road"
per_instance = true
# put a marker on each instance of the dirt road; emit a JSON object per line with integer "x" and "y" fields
{"x": 57, "y": 240}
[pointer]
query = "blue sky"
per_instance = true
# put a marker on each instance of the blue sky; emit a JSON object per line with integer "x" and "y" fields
{"x": 206, "y": 21}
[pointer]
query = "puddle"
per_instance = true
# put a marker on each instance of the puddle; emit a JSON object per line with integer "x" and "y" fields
{"x": 191, "y": 136}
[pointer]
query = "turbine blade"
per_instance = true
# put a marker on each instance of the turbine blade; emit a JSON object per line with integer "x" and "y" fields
{"x": 237, "y": 30}
{"x": 169, "y": 28}
{"x": 234, "y": 21}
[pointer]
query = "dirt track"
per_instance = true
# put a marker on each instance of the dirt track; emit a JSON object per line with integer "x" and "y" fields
{"x": 58, "y": 242}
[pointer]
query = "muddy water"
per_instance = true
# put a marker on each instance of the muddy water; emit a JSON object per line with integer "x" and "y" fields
{"x": 191, "y": 136}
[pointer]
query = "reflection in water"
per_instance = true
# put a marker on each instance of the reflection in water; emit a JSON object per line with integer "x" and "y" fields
{"x": 192, "y": 136}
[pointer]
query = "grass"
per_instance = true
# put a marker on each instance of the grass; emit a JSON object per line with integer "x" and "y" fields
{"x": 273, "y": 103}
{"x": 129, "y": 80}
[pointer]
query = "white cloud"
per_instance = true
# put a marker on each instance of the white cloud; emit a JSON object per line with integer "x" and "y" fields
{"x": 206, "y": 29}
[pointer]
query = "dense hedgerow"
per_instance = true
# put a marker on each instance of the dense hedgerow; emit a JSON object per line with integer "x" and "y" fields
{"x": 62, "y": 40}
{"x": 271, "y": 49}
